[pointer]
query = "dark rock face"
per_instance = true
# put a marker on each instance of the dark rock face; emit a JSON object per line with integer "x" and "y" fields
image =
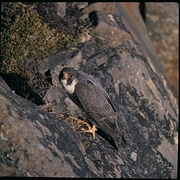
{"x": 35, "y": 143}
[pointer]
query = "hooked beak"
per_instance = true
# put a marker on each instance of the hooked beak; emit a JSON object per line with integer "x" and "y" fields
{"x": 66, "y": 76}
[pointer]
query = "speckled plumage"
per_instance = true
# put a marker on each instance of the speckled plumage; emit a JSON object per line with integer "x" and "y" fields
{"x": 89, "y": 95}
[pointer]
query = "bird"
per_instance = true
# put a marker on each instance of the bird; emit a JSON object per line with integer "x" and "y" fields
{"x": 88, "y": 94}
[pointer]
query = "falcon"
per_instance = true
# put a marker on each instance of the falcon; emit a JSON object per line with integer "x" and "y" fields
{"x": 87, "y": 93}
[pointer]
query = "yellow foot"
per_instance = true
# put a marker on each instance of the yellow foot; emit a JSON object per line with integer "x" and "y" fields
{"x": 90, "y": 129}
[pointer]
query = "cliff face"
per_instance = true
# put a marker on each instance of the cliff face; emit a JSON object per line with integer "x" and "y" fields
{"x": 39, "y": 143}
{"x": 34, "y": 143}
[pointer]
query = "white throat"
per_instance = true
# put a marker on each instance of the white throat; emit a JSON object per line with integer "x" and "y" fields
{"x": 69, "y": 88}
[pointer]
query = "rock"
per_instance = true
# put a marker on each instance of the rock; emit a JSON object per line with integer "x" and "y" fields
{"x": 34, "y": 143}
{"x": 112, "y": 34}
{"x": 147, "y": 112}
{"x": 53, "y": 95}
{"x": 52, "y": 61}
{"x": 146, "y": 107}
{"x": 61, "y": 8}
{"x": 81, "y": 5}
{"x": 107, "y": 8}
{"x": 60, "y": 102}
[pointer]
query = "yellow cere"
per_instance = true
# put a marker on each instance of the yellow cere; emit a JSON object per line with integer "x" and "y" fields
{"x": 66, "y": 76}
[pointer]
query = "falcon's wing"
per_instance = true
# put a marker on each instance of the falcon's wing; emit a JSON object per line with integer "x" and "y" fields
{"x": 104, "y": 93}
{"x": 95, "y": 101}
{"x": 108, "y": 99}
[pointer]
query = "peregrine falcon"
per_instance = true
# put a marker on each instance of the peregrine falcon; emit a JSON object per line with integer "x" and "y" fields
{"x": 87, "y": 93}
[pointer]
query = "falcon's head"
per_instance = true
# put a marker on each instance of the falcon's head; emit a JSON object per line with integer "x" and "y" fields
{"x": 68, "y": 77}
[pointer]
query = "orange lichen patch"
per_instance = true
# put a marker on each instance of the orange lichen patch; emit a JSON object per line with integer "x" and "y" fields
{"x": 173, "y": 79}
{"x": 131, "y": 12}
{"x": 159, "y": 48}
{"x": 171, "y": 71}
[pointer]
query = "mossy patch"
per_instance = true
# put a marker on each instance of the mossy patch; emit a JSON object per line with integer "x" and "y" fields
{"x": 26, "y": 38}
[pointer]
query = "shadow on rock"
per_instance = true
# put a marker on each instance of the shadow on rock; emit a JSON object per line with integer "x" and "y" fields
{"x": 21, "y": 87}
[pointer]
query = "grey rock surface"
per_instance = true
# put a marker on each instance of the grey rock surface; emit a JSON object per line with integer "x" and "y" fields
{"x": 112, "y": 34}
{"x": 35, "y": 143}
{"x": 81, "y": 5}
{"x": 107, "y": 8}
{"x": 61, "y": 9}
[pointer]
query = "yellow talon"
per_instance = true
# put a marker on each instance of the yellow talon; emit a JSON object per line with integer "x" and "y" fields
{"x": 90, "y": 129}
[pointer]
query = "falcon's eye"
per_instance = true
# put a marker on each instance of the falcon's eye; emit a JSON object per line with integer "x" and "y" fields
{"x": 71, "y": 76}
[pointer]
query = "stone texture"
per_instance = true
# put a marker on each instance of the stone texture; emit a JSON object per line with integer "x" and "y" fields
{"x": 38, "y": 143}
{"x": 52, "y": 61}
{"x": 34, "y": 143}
{"x": 112, "y": 34}
{"x": 146, "y": 107}
{"x": 81, "y": 5}
{"x": 61, "y": 9}
{"x": 107, "y": 8}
